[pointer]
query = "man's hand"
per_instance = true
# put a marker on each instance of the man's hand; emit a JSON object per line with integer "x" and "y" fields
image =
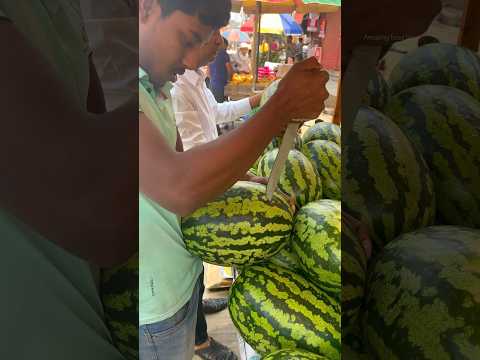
{"x": 255, "y": 100}
{"x": 301, "y": 94}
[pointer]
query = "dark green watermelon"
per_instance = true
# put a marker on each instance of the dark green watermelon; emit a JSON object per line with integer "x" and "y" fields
{"x": 386, "y": 183}
{"x": 287, "y": 258}
{"x": 240, "y": 227}
{"x": 119, "y": 293}
{"x": 438, "y": 64}
{"x": 293, "y": 354}
{"x": 354, "y": 270}
{"x": 326, "y": 156}
{"x": 316, "y": 241}
{"x": 323, "y": 131}
{"x": 444, "y": 124}
{"x": 299, "y": 177}
{"x": 424, "y": 296}
{"x": 274, "y": 308}
{"x": 378, "y": 92}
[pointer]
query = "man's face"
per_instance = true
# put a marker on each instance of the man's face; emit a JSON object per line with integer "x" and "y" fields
{"x": 244, "y": 51}
{"x": 202, "y": 55}
{"x": 165, "y": 41}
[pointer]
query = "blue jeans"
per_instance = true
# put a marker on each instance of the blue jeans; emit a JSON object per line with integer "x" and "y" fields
{"x": 173, "y": 338}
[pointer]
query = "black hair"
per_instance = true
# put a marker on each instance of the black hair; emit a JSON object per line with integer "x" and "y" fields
{"x": 213, "y": 13}
{"x": 424, "y": 40}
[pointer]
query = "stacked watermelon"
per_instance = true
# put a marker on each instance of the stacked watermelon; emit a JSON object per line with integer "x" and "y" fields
{"x": 286, "y": 301}
{"x": 412, "y": 175}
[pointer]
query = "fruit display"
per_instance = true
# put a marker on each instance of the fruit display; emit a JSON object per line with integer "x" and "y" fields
{"x": 240, "y": 227}
{"x": 275, "y": 308}
{"x": 316, "y": 240}
{"x": 385, "y": 181}
{"x": 298, "y": 179}
{"x": 423, "y": 300}
{"x": 241, "y": 78}
{"x": 378, "y": 92}
{"x": 438, "y": 64}
{"x": 412, "y": 175}
{"x": 323, "y": 131}
{"x": 447, "y": 134}
{"x": 326, "y": 157}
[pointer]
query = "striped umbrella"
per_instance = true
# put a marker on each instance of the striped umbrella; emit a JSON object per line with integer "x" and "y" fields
{"x": 235, "y": 35}
{"x": 280, "y": 24}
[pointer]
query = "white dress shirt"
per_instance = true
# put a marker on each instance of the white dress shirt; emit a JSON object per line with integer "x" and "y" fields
{"x": 197, "y": 113}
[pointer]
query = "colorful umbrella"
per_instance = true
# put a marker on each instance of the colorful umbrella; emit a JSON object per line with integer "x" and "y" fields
{"x": 235, "y": 35}
{"x": 280, "y": 24}
{"x": 287, "y": 6}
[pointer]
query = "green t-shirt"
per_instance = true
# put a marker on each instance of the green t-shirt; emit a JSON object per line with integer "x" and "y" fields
{"x": 50, "y": 303}
{"x": 168, "y": 272}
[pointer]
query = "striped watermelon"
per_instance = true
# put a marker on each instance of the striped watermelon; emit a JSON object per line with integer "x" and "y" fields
{"x": 287, "y": 258}
{"x": 119, "y": 292}
{"x": 424, "y": 296}
{"x": 326, "y": 156}
{"x": 293, "y": 354}
{"x": 240, "y": 227}
{"x": 354, "y": 269}
{"x": 316, "y": 240}
{"x": 353, "y": 347}
{"x": 299, "y": 177}
{"x": 378, "y": 92}
{"x": 277, "y": 141}
{"x": 444, "y": 124}
{"x": 438, "y": 64}
{"x": 274, "y": 308}
{"x": 323, "y": 131}
{"x": 385, "y": 181}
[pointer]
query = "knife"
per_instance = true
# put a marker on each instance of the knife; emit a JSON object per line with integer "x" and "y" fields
{"x": 288, "y": 141}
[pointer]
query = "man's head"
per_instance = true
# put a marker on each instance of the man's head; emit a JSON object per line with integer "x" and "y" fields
{"x": 202, "y": 55}
{"x": 243, "y": 49}
{"x": 168, "y": 29}
{"x": 289, "y": 39}
{"x": 300, "y": 40}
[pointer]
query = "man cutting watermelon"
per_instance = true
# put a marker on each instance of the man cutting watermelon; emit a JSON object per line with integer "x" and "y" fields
{"x": 174, "y": 183}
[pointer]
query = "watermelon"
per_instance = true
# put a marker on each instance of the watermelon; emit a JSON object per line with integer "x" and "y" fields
{"x": 293, "y": 354}
{"x": 438, "y": 64}
{"x": 354, "y": 269}
{"x": 316, "y": 240}
{"x": 327, "y": 158}
{"x": 287, "y": 258}
{"x": 353, "y": 347}
{"x": 274, "y": 308}
{"x": 378, "y": 92}
{"x": 299, "y": 177}
{"x": 424, "y": 300}
{"x": 119, "y": 292}
{"x": 240, "y": 227}
{"x": 386, "y": 183}
{"x": 444, "y": 124}
{"x": 277, "y": 141}
{"x": 323, "y": 131}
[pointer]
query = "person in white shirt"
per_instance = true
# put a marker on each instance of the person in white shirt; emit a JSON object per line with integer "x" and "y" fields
{"x": 242, "y": 61}
{"x": 197, "y": 114}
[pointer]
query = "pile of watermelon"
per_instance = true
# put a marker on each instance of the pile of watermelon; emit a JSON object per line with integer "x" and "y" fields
{"x": 285, "y": 302}
{"x": 411, "y": 175}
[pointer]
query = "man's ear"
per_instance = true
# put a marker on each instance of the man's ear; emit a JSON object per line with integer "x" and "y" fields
{"x": 145, "y": 9}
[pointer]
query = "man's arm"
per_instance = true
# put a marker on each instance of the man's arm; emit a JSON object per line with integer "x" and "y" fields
{"x": 182, "y": 182}
{"x": 70, "y": 176}
{"x": 231, "y": 110}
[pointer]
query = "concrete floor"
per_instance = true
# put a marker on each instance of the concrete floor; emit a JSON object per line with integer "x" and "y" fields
{"x": 220, "y": 327}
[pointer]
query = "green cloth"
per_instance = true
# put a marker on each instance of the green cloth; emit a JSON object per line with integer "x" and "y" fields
{"x": 50, "y": 299}
{"x": 168, "y": 272}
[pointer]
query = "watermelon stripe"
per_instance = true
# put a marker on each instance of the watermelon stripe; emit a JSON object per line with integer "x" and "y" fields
{"x": 289, "y": 312}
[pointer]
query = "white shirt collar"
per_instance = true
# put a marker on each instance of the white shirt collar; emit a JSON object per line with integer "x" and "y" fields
{"x": 193, "y": 77}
